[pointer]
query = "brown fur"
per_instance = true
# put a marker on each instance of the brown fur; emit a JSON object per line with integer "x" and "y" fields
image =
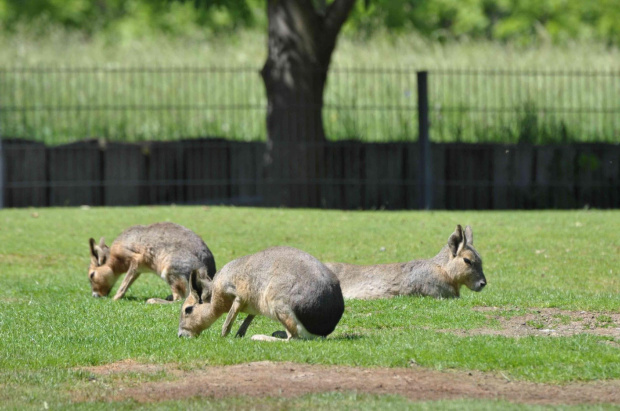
{"x": 166, "y": 249}
{"x": 441, "y": 276}
{"x": 283, "y": 283}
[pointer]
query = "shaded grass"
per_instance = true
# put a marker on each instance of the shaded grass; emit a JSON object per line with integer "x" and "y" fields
{"x": 49, "y": 324}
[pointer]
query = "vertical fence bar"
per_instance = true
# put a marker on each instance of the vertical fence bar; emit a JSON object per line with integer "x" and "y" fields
{"x": 424, "y": 144}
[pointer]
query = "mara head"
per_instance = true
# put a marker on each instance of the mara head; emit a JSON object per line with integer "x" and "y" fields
{"x": 196, "y": 310}
{"x": 465, "y": 265}
{"x": 100, "y": 275}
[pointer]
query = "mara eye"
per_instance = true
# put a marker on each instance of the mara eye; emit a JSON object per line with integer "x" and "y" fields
{"x": 467, "y": 261}
{"x": 92, "y": 275}
{"x": 188, "y": 310}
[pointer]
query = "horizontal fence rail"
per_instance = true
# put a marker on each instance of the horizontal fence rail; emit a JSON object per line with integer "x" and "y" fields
{"x": 65, "y": 104}
{"x": 525, "y": 106}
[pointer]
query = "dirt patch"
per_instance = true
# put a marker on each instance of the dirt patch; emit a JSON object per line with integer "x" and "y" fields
{"x": 270, "y": 379}
{"x": 548, "y": 322}
{"x": 129, "y": 366}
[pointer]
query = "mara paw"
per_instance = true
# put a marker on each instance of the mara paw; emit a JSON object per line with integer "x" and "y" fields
{"x": 261, "y": 337}
{"x": 157, "y": 301}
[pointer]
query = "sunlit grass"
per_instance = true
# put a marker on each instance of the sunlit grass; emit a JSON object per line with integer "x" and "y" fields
{"x": 49, "y": 324}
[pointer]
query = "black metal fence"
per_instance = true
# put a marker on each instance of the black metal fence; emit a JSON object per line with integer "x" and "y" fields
{"x": 119, "y": 136}
{"x": 61, "y": 105}
{"x": 525, "y": 106}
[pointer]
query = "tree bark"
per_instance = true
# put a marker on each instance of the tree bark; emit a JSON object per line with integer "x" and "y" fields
{"x": 301, "y": 41}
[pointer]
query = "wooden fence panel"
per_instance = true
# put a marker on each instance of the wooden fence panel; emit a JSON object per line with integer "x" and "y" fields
{"x": 333, "y": 187}
{"x": 439, "y": 178}
{"x": 610, "y": 175}
{"x": 343, "y": 187}
{"x": 585, "y": 167}
{"x": 354, "y": 175}
{"x": 25, "y": 173}
{"x": 483, "y": 175}
{"x": 75, "y": 174}
{"x": 246, "y": 164}
{"x": 385, "y": 173}
{"x": 561, "y": 187}
{"x": 207, "y": 171}
{"x": 543, "y": 178}
{"x": 503, "y": 177}
{"x": 165, "y": 173}
{"x": 524, "y": 194}
{"x": 457, "y": 177}
{"x": 125, "y": 174}
{"x": 594, "y": 176}
{"x": 412, "y": 188}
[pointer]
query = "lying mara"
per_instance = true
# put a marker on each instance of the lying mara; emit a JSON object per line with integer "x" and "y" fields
{"x": 458, "y": 263}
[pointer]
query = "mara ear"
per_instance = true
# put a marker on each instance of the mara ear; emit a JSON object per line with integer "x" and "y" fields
{"x": 206, "y": 284}
{"x": 455, "y": 240}
{"x": 469, "y": 235}
{"x": 205, "y": 297}
{"x": 93, "y": 250}
{"x": 99, "y": 253}
{"x": 91, "y": 242}
{"x": 103, "y": 251}
{"x": 195, "y": 286}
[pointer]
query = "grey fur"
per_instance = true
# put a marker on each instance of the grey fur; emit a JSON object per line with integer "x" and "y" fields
{"x": 184, "y": 250}
{"x": 283, "y": 283}
{"x": 169, "y": 250}
{"x": 441, "y": 276}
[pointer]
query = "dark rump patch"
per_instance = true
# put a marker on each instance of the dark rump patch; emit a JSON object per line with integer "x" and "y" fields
{"x": 211, "y": 266}
{"x": 321, "y": 314}
{"x": 209, "y": 261}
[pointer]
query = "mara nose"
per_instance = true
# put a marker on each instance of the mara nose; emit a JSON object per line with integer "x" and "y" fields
{"x": 183, "y": 334}
{"x": 483, "y": 283}
{"x": 96, "y": 295}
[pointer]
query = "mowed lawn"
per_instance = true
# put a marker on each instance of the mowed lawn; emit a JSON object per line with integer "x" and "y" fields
{"x": 50, "y": 325}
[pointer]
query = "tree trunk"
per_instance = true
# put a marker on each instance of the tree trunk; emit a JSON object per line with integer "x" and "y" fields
{"x": 301, "y": 42}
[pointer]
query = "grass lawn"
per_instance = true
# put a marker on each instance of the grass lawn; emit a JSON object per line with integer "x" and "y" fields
{"x": 49, "y": 324}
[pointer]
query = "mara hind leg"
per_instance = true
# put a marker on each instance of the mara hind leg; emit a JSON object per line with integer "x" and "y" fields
{"x": 178, "y": 285}
{"x": 290, "y": 333}
{"x": 294, "y": 329}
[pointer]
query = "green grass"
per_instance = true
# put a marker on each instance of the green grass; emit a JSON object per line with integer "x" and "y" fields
{"x": 49, "y": 324}
{"x": 212, "y": 87}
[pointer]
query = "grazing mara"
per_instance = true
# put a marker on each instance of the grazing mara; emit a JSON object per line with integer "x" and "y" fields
{"x": 169, "y": 250}
{"x": 282, "y": 283}
{"x": 458, "y": 263}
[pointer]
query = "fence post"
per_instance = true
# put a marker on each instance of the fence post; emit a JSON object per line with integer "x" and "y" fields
{"x": 424, "y": 144}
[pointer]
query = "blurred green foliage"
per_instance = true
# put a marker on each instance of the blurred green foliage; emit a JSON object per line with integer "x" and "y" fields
{"x": 519, "y": 21}
{"x": 129, "y": 18}
{"x": 522, "y": 21}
